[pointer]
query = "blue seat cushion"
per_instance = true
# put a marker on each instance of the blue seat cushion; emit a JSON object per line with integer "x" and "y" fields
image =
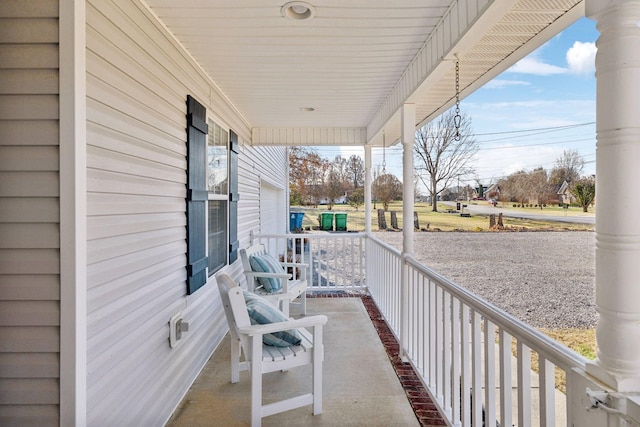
{"x": 267, "y": 264}
{"x": 261, "y": 312}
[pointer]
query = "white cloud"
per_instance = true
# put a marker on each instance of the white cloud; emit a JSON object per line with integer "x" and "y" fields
{"x": 500, "y": 83}
{"x": 531, "y": 65}
{"x": 581, "y": 58}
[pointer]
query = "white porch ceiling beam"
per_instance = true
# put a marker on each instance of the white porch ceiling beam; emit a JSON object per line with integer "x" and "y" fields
{"x": 309, "y": 136}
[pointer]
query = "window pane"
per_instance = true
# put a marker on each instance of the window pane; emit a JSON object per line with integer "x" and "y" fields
{"x": 217, "y": 159}
{"x": 218, "y": 246}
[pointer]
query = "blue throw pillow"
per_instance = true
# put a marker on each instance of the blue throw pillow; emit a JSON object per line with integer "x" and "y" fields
{"x": 261, "y": 312}
{"x": 267, "y": 264}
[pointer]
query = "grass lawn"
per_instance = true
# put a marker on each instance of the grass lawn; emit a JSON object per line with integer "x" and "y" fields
{"x": 549, "y": 210}
{"x": 437, "y": 221}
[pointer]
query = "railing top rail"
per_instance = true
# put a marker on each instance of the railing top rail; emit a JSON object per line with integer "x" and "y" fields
{"x": 549, "y": 348}
{"x": 386, "y": 246}
{"x": 310, "y": 235}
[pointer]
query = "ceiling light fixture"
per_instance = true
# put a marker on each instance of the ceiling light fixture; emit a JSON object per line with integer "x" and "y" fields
{"x": 298, "y": 10}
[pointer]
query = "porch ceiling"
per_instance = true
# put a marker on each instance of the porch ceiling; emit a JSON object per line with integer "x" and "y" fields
{"x": 355, "y": 62}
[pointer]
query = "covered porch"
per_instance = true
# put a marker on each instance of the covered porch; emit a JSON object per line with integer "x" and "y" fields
{"x": 445, "y": 349}
{"x": 361, "y": 381}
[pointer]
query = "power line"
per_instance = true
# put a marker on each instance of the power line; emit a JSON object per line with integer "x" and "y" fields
{"x": 550, "y": 128}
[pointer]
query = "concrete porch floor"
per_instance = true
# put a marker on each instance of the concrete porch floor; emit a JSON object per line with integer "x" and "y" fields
{"x": 360, "y": 383}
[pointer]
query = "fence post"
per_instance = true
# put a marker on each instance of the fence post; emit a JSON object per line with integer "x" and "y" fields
{"x": 382, "y": 222}
{"x": 394, "y": 220}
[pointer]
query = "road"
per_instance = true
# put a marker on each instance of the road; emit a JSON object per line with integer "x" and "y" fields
{"x": 483, "y": 208}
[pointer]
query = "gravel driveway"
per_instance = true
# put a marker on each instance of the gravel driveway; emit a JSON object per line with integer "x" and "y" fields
{"x": 546, "y": 279}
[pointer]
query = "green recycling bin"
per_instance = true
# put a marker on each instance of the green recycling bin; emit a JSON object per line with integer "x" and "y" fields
{"x": 326, "y": 221}
{"x": 341, "y": 221}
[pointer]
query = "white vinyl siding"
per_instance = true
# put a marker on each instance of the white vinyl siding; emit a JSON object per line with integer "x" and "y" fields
{"x": 29, "y": 215}
{"x": 138, "y": 79}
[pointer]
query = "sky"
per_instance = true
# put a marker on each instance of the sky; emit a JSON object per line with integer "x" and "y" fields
{"x": 528, "y": 115}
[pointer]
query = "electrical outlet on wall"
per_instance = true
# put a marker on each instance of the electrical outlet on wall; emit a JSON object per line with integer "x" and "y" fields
{"x": 174, "y": 335}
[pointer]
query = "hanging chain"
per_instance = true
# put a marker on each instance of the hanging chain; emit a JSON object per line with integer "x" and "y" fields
{"x": 457, "y": 119}
{"x": 384, "y": 160}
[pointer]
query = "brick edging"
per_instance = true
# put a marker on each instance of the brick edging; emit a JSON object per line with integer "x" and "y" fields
{"x": 424, "y": 408}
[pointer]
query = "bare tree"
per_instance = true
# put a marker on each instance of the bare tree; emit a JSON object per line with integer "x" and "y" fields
{"x": 515, "y": 187}
{"x": 539, "y": 184}
{"x": 355, "y": 170}
{"x": 441, "y": 156}
{"x": 306, "y": 175}
{"x": 567, "y": 167}
{"x": 334, "y": 186}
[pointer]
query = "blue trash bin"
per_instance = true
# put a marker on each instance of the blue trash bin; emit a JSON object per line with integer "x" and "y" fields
{"x": 295, "y": 221}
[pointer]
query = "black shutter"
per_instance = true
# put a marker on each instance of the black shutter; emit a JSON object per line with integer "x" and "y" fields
{"x": 233, "y": 196}
{"x": 197, "y": 130}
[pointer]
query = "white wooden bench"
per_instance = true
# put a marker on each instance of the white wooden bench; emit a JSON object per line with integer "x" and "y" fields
{"x": 294, "y": 286}
{"x": 248, "y": 352}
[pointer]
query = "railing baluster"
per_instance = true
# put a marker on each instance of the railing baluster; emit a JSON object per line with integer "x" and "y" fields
{"x": 489, "y": 373}
{"x": 455, "y": 360}
{"x": 446, "y": 347}
{"x": 506, "y": 400}
{"x": 524, "y": 385}
{"x": 466, "y": 367}
{"x": 476, "y": 368}
{"x": 439, "y": 342}
{"x": 547, "y": 382}
{"x": 433, "y": 319}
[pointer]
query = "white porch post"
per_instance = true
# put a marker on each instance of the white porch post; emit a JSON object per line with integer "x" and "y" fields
{"x": 408, "y": 138}
{"x": 367, "y": 189}
{"x": 617, "y": 202}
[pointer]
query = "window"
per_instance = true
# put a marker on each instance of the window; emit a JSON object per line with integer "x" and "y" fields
{"x": 212, "y": 196}
{"x": 217, "y": 186}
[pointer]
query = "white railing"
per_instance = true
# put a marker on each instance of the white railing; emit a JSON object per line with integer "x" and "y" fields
{"x": 464, "y": 349}
{"x": 461, "y": 346}
{"x": 336, "y": 261}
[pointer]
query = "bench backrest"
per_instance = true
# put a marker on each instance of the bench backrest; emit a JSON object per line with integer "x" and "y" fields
{"x": 245, "y": 254}
{"x": 235, "y": 309}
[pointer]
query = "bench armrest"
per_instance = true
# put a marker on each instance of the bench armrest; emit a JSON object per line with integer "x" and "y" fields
{"x": 304, "y": 322}
{"x": 300, "y": 265}
{"x": 256, "y": 274}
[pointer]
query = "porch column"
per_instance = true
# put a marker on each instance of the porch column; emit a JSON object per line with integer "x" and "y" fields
{"x": 408, "y": 138}
{"x": 367, "y": 189}
{"x": 617, "y": 202}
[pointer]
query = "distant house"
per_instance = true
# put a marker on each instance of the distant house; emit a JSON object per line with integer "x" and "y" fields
{"x": 564, "y": 193}
{"x": 339, "y": 201}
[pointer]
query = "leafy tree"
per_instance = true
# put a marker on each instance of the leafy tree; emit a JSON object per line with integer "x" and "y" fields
{"x": 441, "y": 156}
{"x": 387, "y": 188}
{"x": 584, "y": 190}
{"x": 567, "y": 167}
{"x": 356, "y": 198}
